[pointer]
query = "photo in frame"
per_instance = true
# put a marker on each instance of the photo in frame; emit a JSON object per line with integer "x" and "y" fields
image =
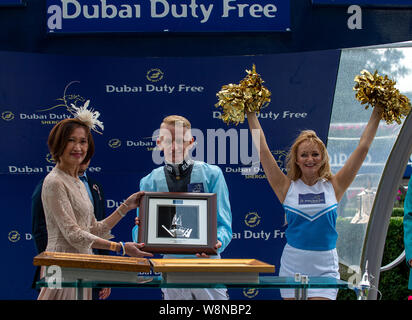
{"x": 178, "y": 222}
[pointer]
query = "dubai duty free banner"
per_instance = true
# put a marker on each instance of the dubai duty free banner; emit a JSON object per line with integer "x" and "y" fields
{"x": 133, "y": 95}
{"x": 91, "y": 16}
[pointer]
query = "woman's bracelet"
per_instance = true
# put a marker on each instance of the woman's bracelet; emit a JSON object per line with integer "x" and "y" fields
{"x": 123, "y": 253}
{"x": 113, "y": 246}
{"x": 119, "y": 210}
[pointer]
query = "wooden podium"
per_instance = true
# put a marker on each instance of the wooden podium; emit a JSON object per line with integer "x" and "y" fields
{"x": 92, "y": 267}
{"x": 107, "y": 268}
{"x": 211, "y": 270}
{"x": 101, "y": 271}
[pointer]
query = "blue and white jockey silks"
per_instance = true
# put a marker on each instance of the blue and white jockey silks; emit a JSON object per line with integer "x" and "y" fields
{"x": 211, "y": 179}
{"x": 203, "y": 178}
{"x": 311, "y": 213}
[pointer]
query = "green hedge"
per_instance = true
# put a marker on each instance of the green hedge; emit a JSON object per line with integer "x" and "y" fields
{"x": 397, "y": 212}
{"x": 393, "y": 284}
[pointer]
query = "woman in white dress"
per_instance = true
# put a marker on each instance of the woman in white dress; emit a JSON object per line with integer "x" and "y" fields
{"x": 309, "y": 194}
{"x": 71, "y": 224}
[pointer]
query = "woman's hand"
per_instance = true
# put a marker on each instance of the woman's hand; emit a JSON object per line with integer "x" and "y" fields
{"x": 133, "y": 249}
{"x": 134, "y": 200}
{"x": 104, "y": 293}
{"x": 204, "y": 255}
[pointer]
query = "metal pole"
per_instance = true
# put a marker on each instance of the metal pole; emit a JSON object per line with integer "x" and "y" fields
{"x": 382, "y": 209}
{"x": 79, "y": 289}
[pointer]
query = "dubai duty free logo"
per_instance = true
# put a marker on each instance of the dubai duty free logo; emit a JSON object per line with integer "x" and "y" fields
{"x": 252, "y": 219}
{"x": 7, "y": 115}
{"x": 14, "y": 236}
{"x": 154, "y": 75}
{"x": 49, "y": 158}
{"x": 114, "y": 143}
{"x": 250, "y": 292}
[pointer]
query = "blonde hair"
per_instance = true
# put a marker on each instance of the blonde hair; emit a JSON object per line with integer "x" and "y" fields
{"x": 293, "y": 170}
{"x": 173, "y": 119}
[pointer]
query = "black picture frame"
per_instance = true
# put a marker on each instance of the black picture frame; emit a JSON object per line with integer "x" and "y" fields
{"x": 178, "y": 222}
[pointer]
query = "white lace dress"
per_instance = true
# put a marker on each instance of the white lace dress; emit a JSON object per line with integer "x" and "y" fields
{"x": 71, "y": 224}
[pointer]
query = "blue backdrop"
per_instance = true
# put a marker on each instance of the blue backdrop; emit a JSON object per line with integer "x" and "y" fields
{"x": 133, "y": 95}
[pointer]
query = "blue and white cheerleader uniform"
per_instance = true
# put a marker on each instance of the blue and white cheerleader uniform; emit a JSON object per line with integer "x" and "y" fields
{"x": 311, "y": 213}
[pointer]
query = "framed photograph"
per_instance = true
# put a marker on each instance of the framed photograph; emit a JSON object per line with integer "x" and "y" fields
{"x": 178, "y": 222}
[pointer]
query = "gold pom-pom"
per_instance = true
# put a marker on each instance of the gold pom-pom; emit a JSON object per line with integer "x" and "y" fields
{"x": 248, "y": 96}
{"x": 379, "y": 91}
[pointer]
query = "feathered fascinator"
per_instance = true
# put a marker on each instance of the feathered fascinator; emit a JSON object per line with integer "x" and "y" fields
{"x": 89, "y": 117}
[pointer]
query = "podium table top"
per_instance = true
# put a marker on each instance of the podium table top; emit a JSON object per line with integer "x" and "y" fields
{"x": 92, "y": 261}
{"x": 117, "y": 263}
